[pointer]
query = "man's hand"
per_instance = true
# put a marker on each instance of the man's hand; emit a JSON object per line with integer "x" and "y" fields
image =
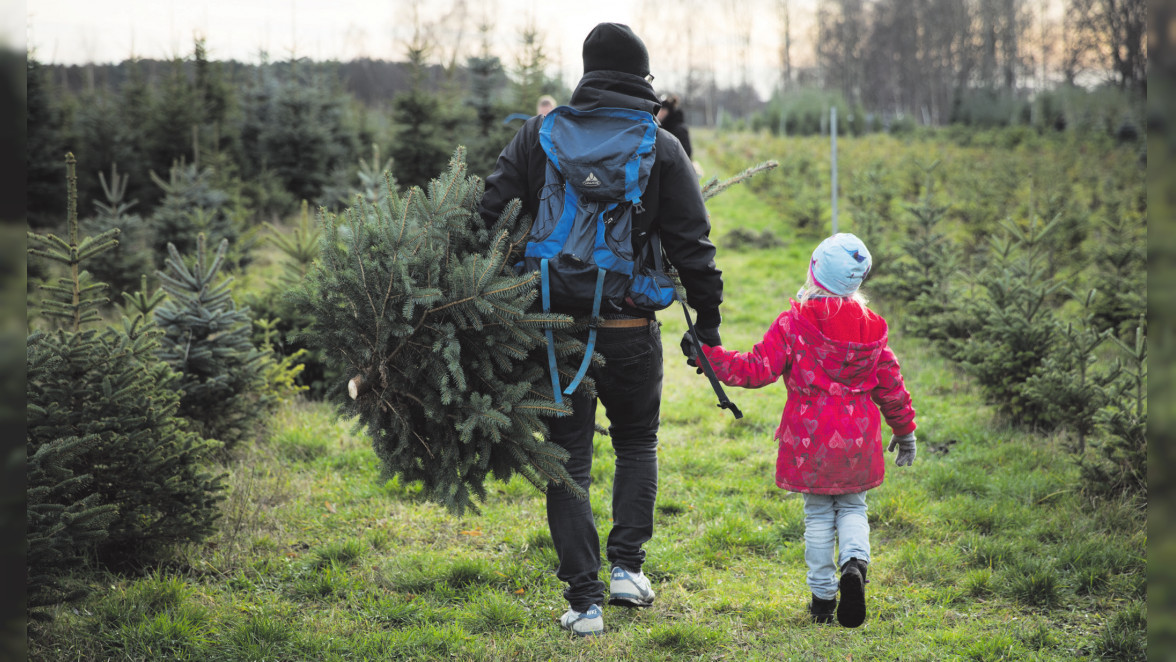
{"x": 906, "y": 448}
{"x": 690, "y": 351}
{"x": 709, "y": 337}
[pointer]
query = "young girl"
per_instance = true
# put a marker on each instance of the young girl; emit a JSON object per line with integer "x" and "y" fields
{"x": 831, "y": 350}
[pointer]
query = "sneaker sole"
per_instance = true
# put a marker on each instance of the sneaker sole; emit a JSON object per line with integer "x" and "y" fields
{"x": 851, "y": 609}
{"x": 589, "y": 633}
{"x": 623, "y": 600}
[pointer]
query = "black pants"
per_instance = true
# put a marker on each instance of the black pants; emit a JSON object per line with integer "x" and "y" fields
{"x": 629, "y": 386}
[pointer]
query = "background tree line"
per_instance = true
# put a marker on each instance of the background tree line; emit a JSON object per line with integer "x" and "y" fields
{"x": 926, "y": 59}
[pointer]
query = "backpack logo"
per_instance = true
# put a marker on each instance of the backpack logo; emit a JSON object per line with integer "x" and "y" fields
{"x": 591, "y": 181}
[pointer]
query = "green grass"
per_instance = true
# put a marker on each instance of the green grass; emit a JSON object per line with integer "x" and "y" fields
{"x": 983, "y": 550}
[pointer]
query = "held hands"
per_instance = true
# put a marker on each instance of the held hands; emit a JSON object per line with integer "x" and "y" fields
{"x": 906, "y": 448}
{"x": 708, "y": 336}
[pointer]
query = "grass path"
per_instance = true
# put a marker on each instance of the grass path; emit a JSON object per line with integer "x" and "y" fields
{"x": 982, "y": 550}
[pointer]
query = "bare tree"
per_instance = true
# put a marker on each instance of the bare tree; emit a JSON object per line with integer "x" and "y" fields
{"x": 1106, "y": 35}
{"x": 1079, "y": 41}
{"x": 843, "y": 25}
{"x": 1125, "y": 25}
{"x": 739, "y": 17}
{"x": 448, "y": 32}
{"x": 784, "y": 9}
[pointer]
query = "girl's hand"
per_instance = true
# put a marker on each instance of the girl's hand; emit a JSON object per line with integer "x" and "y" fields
{"x": 906, "y": 448}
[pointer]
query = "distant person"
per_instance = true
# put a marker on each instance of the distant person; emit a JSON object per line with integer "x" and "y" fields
{"x": 542, "y": 107}
{"x": 832, "y": 352}
{"x": 672, "y": 119}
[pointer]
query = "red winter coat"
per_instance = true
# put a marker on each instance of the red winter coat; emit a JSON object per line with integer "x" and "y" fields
{"x": 837, "y": 367}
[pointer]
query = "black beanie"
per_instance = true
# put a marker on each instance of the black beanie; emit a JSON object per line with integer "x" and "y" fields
{"x": 614, "y": 47}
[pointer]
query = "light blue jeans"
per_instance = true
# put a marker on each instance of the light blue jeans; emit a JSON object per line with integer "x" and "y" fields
{"x": 829, "y": 518}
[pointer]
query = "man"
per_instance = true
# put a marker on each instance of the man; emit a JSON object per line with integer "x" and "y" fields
{"x": 544, "y": 105}
{"x": 672, "y": 119}
{"x": 616, "y": 74}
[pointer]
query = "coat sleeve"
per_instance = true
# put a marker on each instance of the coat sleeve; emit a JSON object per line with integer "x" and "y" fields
{"x": 891, "y": 395}
{"x": 513, "y": 176}
{"x": 764, "y": 364}
{"x": 685, "y": 231}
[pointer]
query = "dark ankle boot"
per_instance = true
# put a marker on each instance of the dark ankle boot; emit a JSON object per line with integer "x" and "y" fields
{"x": 822, "y": 610}
{"x": 851, "y": 612}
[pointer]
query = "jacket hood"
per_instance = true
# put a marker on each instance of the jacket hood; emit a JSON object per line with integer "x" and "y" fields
{"x": 842, "y": 364}
{"x": 674, "y": 118}
{"x": 614, "y": 89}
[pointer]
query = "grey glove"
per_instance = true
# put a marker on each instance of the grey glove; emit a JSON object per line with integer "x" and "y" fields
{"x": 906, "y": 448}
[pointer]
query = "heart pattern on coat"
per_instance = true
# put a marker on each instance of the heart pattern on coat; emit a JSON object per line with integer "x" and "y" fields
{"x": 829, "y": 432}
{"x": 836, "y": 441}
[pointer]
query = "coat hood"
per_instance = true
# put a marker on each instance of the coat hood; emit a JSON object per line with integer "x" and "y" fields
{"x": 845, "y": 346}
{"x": 614, "y": 89}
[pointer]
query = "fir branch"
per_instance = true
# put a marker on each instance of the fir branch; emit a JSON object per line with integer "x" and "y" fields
{"x": 530, "y": 278}
{"x": 715, "y": 187}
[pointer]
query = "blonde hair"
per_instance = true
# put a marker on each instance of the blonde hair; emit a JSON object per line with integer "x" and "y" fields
{"x": 813, "y": 291}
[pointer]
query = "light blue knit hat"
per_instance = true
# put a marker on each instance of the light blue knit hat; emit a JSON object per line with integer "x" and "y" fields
{"x": 840, "y": 264}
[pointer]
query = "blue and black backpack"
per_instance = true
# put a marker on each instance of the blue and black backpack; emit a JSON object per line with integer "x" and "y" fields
{"x": 598, "y": 163}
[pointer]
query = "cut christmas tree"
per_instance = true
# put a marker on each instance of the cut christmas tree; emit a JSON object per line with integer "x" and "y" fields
{"x": 420, "y": 302}
{"x": 415, "y": 298}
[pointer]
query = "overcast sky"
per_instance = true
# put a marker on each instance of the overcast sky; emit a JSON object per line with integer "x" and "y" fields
{"x": 80, "y": 31}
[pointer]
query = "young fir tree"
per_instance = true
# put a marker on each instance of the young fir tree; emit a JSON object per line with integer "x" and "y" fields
{"x": 418, "y": 301}
{"x": 65, "y": 514}
{"x": 530, "y": 67}
{"x": 1014, "y": 327}
{"x": 1069, "y": 389}
{"x": 44, "y": 146}
{"x": 1121, "y": 274}
{"x": 927, "y": 258}
{"x": 1120, "y": 462}
{"x": 302, "y": 133}
{"x": 375, "y": 179}
{"x": 279, "y": 321}
{"x": 207, "y": 340}
{"x": 113, "y": 473}
{"x": 418, "y": 153}
{"x": 122, "y": 266}
{"x": 487, "y": 93}
{"x": 927, "y": 277}
{"x": 870, "y": 197}
{"x": 192, "y": 205}
{"x": 177, "y": 107}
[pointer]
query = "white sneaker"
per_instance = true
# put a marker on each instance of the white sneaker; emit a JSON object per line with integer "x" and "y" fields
{"x": 584, "y": 624}
{"x": 629, "y": 589}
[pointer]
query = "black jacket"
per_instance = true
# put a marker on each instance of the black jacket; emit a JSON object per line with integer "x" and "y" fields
{"x": 672, "y": 195}
{"x": 675, "y": 123}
